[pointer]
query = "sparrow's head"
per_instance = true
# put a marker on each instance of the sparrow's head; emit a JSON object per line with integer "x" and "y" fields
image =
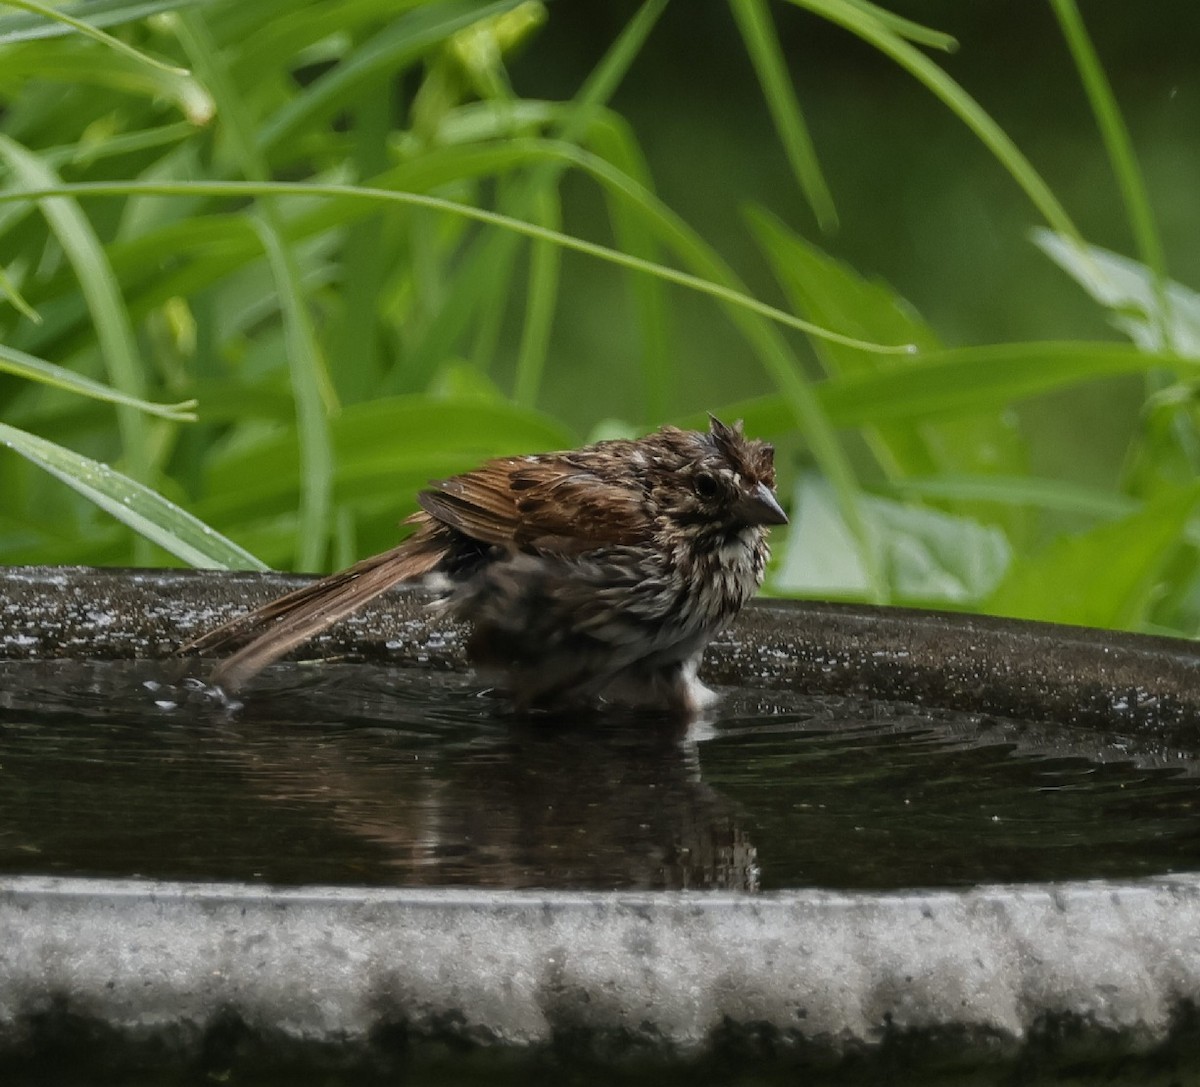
{"x": 722, "y": 479}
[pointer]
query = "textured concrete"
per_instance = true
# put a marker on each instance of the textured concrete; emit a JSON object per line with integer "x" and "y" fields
{"x": 983, "y": 978}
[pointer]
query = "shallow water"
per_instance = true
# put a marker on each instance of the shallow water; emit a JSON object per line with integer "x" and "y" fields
{"x": 353, "y": 774}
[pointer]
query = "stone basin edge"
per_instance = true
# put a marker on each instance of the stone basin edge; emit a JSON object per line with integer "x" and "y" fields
{"x": 1070, "y": 972}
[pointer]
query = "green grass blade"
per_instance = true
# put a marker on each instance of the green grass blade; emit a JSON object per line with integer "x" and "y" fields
{"x": 27, "y": 366}
{"x": 310, "y": 383}
{"x": 1105, "y": 577}
{"x": 828, "y": 292}
{"x": 731, "y": 296}
{"x": 762, "y": 44}
{"x": 602, "y": 82}
{"x": 1116, "y": 139}
{"x": 9, "y": 290}
{"x": 399, "y": 45}
{"x": 479, "y": 281}
{"x": 97, "y": 35}
{"x": 855, "y": 18}
{"x": 304, "y": 362}
{"x": 947, "y": 383}
{"x": 97, "y": 13}
{"x": 132, "y": 503}
{"x": 545, "y": 260}
{"x": 613, "y": 141}
{"x": 953, "y": 382}
{"x": 906, "y": 28}
{"x": 235, "y": 120}
{"x": 77, "y": 63}
{"x": 114, "y": 329}
{"x": 1058, "y": 495}
{"x": 365, "y": 260}
{"x": 1155, "y": 315}
{"x": 88, "y": 152}
{"x": 479, "y": 294}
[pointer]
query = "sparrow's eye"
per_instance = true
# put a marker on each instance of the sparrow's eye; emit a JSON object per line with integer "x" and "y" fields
{"x": 706, "y": 486}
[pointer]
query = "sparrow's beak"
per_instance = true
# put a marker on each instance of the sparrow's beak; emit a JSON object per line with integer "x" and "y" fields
{"x": 760, "y": 507}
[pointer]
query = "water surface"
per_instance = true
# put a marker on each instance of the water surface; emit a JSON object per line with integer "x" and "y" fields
{"x": 353, "y": 774}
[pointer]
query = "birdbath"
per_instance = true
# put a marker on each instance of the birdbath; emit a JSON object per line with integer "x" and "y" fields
{"x": 903, "y": 845}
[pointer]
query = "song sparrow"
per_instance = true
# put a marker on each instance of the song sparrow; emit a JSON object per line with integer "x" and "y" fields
{"x": 597, "y": 574}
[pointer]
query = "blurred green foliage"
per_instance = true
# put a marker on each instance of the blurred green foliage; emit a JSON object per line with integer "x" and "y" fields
{"x": 266, "y": 268}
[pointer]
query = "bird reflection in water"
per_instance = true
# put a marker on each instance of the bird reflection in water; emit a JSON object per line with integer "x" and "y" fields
{"x": 611, "y": 802}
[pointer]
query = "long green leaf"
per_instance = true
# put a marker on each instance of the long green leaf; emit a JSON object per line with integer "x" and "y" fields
{"x": 1154, "y": 315}
{"x": 398, "y": 45}
{"x": 309, "y": 380}
{"x": 97, "y": 35}
{"x": 77, "y": 63}
{"x": 132, "y": 503}
{"x": 544, "y": 262}
{"x": 861, "y": 21}
{"x": 906, "y": 28}
{"x": 304, "y": 362}
{"x": 762, "y": 43}
{"x": 1052, "y": 494}
{"x": 733, "y": 297}
{"x": 1102, "y": 578}
{"x": 9, "y": 290}
{"x": 105, "y": 304}
{"x": 830, "y": 293}
{"x": 612, "y": 140}
{"x": 47, "y": 373}
{"x": 1116, "y": 140}
{"x": 945, "y": 384}
{"x": 97, "y": 13}
{"x": 480, "y": 291}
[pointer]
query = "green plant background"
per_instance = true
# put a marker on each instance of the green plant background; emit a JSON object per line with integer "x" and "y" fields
{"x": 269, "y": 267}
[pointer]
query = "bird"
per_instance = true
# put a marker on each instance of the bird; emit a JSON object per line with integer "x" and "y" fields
{"x": 588, "y": 577}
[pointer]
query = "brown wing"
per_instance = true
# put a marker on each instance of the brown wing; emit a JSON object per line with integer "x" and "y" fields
{"x": 545, "y": 503}
{"x": 281, "y": 625}
{"x": 480, "y": 504}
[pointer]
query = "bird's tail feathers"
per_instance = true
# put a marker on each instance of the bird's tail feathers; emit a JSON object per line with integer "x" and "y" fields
{"x": 269, "y": 632}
